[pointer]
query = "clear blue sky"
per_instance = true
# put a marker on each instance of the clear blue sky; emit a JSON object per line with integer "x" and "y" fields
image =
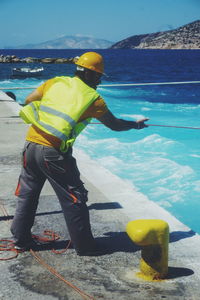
{"x": 35, "y": 21}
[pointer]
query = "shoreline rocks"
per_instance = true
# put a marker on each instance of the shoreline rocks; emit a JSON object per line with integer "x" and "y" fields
{"x": 47, "y": 60}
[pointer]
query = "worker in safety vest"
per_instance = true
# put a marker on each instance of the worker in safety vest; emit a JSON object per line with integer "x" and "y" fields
{"x": 58, "y": 111}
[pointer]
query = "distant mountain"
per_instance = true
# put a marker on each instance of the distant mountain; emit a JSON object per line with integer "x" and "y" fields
{"x": 184, "y": 37}
{"x": 70, "y": 42}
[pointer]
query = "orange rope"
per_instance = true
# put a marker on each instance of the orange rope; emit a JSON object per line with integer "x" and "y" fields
{"x": 5, "y": 244}
{"x": 3, "y": 209}
{"x": 8, "y": 245}
{"x": 61, "y": 251}
{"x": 51, "y": 236}
{"x": 55, "y": 273}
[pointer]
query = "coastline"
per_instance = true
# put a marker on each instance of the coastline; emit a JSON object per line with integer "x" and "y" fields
{"x": 112, "y": 203}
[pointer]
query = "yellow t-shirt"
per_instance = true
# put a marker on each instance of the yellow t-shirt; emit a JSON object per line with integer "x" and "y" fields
{"x": 97, "y": 109}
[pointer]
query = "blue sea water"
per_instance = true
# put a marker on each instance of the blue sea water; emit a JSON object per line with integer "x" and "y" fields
{"x": 162, "y": 162}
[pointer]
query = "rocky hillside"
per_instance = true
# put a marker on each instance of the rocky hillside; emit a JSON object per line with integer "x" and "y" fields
{"x": 70, "y": 42}
{"x": 184, "y": 37}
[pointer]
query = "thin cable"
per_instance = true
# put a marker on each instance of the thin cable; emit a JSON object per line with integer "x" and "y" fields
{"x": 116, "y": 84}
{"x": 173, "y": 126}
{"x": 149, "y": 83}
{"x": 18, "y": 88}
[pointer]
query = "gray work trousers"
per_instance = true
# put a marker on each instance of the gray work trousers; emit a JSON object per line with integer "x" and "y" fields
{"x": 60, "y": 169}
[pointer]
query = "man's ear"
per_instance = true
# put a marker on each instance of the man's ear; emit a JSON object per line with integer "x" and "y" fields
{"x": 87, "y": 74}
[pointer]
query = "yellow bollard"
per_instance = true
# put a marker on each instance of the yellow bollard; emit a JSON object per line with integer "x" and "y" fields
{"x": 153, "y": 237}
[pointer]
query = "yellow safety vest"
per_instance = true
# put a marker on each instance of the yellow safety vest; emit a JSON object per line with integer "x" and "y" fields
{"x": 60, "y": 108}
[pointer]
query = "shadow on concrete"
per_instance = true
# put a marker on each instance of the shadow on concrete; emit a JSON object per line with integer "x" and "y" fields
{"x": 111, "y": 243}
{"x": 178, "y": 272}
{"x": 117, "y": 242}
{"x": 179, "y": 235}
{"x": 5, "y": 218}
{"x": 96, "y": 206}
{"x": 107, "y": 205}
{"x": 55, "y": 212}
{"x": 55, "y": 245}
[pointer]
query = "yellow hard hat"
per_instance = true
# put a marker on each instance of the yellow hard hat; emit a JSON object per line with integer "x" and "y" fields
{"x": 92, "y": 61}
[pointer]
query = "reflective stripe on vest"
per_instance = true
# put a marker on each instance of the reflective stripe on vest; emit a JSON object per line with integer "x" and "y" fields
{"x": 79, "y": 127}
{"x": 50, "y": 128}
{"x": 58, "y": 114}
{"x": 85, "y": 122}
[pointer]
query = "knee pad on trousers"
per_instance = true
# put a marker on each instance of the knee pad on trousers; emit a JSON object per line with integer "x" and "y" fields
{"x": 80, "y": 193}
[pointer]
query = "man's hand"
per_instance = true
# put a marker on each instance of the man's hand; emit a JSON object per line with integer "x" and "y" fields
{"x": 140, "y": 123}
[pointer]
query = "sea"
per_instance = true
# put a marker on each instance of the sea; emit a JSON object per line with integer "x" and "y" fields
{"x": 162, "y": 162}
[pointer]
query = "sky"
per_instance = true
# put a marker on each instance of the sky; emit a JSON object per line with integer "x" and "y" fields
{"x": 35, "y": 21}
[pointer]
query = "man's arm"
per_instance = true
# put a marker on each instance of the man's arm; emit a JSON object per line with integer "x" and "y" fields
{"x": 34, "y": 96}
{"x": 109, "y": 120}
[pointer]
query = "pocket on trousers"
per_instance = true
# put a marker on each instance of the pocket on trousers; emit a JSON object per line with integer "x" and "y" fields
{"x": 79, "y": 194}
{"x": 54, "y": 160}
{"x": 23, "y": 157}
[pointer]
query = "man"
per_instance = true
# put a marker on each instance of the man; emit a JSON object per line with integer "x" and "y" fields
{"x": 58, "y": 111}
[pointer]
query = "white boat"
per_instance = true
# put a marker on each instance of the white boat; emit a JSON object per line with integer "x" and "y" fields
{"x": 27, "y": 72}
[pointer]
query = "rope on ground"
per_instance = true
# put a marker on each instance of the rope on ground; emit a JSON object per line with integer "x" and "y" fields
{"x": 8, "y": 245}
{"x": 5, "y": 244}
{"x": 117, "y": 84}
{"x": 55, "y": 273}
{"x": 51, "y": 236}
{"x": 3, "y": 209}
